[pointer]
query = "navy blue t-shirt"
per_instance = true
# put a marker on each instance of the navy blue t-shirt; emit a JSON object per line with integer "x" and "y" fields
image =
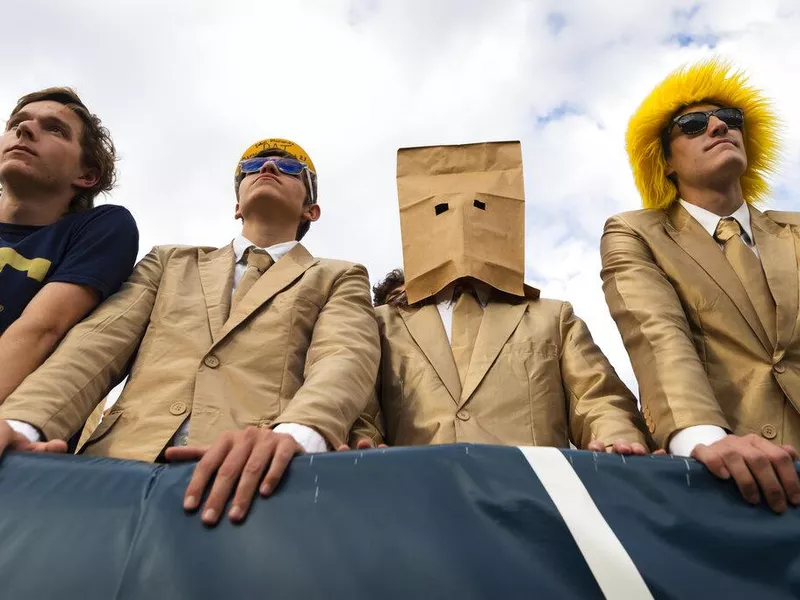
{"x": 96, "y": 248}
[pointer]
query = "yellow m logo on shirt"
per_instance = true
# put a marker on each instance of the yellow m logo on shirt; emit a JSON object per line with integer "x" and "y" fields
{"x": 36, "y": 268}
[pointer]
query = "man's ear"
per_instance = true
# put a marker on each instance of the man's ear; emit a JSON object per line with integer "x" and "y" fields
{"x": 670, "y": 171}
{"x": 87, "y": 179}
{"x": 312, "y": 213}
{"x": 237, "y": 212}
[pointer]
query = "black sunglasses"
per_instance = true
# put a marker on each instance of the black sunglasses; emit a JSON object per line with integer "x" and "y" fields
{"x": 697, "y": 122}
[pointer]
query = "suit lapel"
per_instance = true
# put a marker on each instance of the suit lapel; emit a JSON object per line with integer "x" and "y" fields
{"x": 216, "y": 277}
{"x": 282, "y": 274}
{"x": 778, "y": 257}
{"x": 500, "y": 319}
{"x": 696, "y": 242}
{"x": 425, "y": 326}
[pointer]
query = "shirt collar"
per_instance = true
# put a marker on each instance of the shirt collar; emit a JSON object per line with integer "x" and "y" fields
{"x": 709, "y": 220}
{"x": 482, "y": 290}
{"x": 241, "y": 244}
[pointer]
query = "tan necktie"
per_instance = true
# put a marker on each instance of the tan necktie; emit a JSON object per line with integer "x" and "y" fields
{"x": 749, "y": 270}
{"x": 467, "y": 315}
{"x": 258, "y": 261}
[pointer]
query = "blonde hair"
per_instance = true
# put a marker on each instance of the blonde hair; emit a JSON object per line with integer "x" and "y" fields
{"x": 711, "y": 81}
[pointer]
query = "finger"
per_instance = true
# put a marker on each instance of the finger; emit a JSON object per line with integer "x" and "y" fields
{"x": 343, "y": 448}
{"x": 792, "y": 452}
{"x": 227, "y": 476}
{"x": 783, "y": 466}
{"x": 365, "y": 444}
{"x": 638, "y": 449}
{"x": 767, "y": 479}
{"x": 659, "y": 452}
{"x": 742, "y": 475}
{"x": 185, "y": 453}
{"x": 54, "y": 446}
{"x": 383, "y": 445}
{"x": 284, "y": 452}
{"x": 622, "y": 447}
{"x": 251, "y": 476}
{"x": 596, "y": 446}
{"x": 712, "y": 459}
{"x": 204, "y": 471}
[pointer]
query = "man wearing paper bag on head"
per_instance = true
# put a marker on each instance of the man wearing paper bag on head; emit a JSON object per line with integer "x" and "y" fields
{"x": 476, "y": 355}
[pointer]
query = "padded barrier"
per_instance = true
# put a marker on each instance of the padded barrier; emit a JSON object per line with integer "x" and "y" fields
{"x": 462, "y": 521}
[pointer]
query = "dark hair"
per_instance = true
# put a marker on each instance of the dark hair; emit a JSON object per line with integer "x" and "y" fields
{"x": 97, "y": 147}
{"x": 386, "y": 291}
{"x": 303, "y": 228}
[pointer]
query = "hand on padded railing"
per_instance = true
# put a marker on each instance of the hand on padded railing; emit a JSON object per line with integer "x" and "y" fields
{"x": 239, "y": 460}
{"x": 754, "y": 463}
{"x": 621, "y": 447}
{"x": 11, "y": 440}
{"x": 362, "y": 444}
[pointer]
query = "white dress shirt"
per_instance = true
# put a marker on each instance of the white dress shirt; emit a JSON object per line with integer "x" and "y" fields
{"x": 683, "y": 442}
{"x": 445, "y": 304}
{"x": 308, "y": 438}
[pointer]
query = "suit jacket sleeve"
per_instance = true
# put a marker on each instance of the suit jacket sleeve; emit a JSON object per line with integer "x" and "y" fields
{"x": 673, "y": 386}
{"x": 601, "y": 407}
{"x": 59, "y": 396}
{"x": 369, "y": 424}
{"x": 341, "y": 362}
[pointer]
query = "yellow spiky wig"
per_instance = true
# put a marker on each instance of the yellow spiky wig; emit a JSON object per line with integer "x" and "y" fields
{"x": 713, "y": 81}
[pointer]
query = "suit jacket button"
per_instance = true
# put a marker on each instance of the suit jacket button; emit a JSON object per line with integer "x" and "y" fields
{"x": 211, "y": 361}
{"x": 463, "y": 415}
{"x": 769, "y": 431}
{"x": 178, "y": 408}
{"x": 779, "y": 367}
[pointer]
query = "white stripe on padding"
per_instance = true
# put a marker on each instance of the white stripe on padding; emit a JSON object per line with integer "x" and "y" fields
{"x": 612, "y": 567}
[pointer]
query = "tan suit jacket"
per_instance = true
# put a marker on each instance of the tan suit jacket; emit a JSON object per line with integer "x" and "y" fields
{"x": 535, "y": 378}
{"x": 302, "y": 347}
{"x": 698, "y": 348}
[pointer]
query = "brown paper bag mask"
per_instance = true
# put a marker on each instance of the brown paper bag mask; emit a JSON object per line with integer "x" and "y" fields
{"x": 462, "y": 214}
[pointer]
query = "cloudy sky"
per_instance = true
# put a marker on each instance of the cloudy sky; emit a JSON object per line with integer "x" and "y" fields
{"x": 186, "y": 86}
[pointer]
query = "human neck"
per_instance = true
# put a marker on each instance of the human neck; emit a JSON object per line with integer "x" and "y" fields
{"x": 722, "y": 201}
{"x": 265, "y": 235}
{"x": 32, "y": 209}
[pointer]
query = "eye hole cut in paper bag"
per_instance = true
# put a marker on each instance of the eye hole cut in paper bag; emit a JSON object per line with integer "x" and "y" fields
{"x": 462, "y": 214}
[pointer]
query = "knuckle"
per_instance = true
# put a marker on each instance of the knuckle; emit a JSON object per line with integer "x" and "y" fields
{"x": 758, "y": 461}
{"x": 773, "y": 494}
{"x": 226, "y": 472}
{"x": 252, "y": 468}
{"x": 782, "y": 459}
{"x": 749, "y": 488}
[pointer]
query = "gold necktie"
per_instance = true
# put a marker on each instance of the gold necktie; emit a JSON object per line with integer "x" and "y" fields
{"x": 750, "y": 272}
{"x": 467, "y": 315}
{"x": 258, "y": 261}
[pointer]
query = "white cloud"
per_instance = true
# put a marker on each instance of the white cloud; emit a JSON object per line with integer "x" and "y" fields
{"x": 186, "y": 86}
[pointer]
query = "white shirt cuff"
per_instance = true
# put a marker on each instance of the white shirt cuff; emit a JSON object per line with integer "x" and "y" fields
{"x": 29, "y": 431}
{"x": 684, "y": 441}
{"x": 309, "y": 439}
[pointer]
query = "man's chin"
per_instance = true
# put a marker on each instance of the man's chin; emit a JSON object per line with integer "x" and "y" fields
{"x": 15, "y": 171}
{"x": 730, "y": 165}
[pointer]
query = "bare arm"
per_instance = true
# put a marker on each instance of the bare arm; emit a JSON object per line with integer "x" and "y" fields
{"x": 26, "y": 344}
{"x": 58, "y": 398}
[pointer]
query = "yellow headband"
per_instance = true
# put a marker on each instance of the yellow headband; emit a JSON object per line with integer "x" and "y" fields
{"x": 711, "y": 81}
{"x": 287, "y": 146}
